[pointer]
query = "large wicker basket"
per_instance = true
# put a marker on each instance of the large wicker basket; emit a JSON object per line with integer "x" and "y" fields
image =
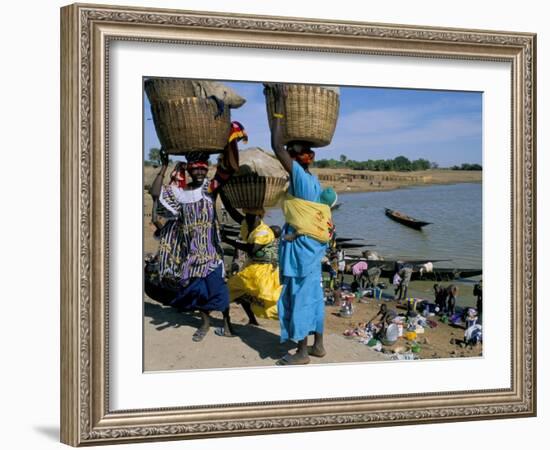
{"x": 255, "y": 191}
{"x": 310, "y": 113}
{"x": 163, "y": 89}
{"x": 188, "y": 125}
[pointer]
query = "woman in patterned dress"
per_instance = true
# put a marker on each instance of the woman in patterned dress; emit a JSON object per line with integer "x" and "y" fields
{"x": 198, "y": 255}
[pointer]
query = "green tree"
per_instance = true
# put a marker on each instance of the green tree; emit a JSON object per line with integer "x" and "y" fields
{"x": 154, "y": 155}
{"x": 420, "y": 164}
{"x": 401, "y": 163}
{"x": 467, "y": 166}
{"x": 322, "y": 163}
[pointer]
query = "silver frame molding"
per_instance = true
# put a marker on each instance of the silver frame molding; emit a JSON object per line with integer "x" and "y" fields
{"x": 86, "y": 33}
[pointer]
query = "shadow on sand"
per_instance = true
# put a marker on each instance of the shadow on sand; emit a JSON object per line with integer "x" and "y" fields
{"x": 264, "y": 342}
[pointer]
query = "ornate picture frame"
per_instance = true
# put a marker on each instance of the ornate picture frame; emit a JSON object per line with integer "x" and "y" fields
{"x": 86, "y": 35}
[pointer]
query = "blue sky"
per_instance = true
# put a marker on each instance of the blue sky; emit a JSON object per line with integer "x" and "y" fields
{"x": 376, "y": 123}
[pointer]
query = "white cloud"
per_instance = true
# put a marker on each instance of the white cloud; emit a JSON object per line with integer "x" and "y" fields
{"x": 407, "y": 127}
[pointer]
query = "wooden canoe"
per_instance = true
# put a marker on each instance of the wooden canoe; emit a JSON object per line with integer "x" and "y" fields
{"x": 405, "y": 220}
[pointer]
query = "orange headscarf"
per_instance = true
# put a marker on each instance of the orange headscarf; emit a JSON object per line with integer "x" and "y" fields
{"x": 305, "y": 157}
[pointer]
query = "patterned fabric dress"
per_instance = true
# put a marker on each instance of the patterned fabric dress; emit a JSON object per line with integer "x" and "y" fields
{"x": 194, "y": 253}
{"x": 170, "y": 250}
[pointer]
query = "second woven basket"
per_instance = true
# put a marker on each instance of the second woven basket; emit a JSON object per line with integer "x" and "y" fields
{"x": 310, "y": 113}
{"x": 255, "y": 191}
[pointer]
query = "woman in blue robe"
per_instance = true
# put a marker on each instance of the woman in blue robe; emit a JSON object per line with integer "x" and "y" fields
{"x": 301, "y": 304}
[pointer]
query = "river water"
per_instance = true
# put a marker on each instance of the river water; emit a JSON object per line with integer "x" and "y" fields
{"x": 454, "y": 210}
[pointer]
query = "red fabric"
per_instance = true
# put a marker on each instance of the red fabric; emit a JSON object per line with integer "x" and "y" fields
{"x": 237, "y": 132}
{"x": 178, "y": 175}
{"x": 305, "y": 157}
{"x": 197, "y": 165}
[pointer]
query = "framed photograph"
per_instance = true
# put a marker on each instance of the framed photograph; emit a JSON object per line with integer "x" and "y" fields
{"x": 286, "y": 224}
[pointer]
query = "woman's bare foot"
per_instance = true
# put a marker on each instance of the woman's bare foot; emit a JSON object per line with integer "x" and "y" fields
{"x": 225, "y": 332}
{"x": 200, "y": 334}
{"x": 293, "y": 360}
{"x": 316, "y": 351}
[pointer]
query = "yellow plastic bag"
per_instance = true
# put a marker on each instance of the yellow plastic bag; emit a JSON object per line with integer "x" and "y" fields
{"x": 410, "y": 335}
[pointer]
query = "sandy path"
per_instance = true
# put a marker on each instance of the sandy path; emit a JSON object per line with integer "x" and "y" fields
{"x": 168, "y": 332}
{"x": 168, "y": 344}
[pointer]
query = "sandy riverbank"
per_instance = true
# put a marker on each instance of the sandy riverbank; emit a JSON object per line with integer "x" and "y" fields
{"x": 167, "y": 333}
{"x": 168, "y": 344}
{"x": 347, "y": 180}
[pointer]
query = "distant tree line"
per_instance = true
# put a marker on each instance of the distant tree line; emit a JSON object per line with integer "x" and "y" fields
{"x": 467, "y": 167}
{"x": 400, "y": 164}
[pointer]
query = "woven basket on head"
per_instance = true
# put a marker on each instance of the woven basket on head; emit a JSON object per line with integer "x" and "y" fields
{"x": 254, "y": 191}
{"x": 162, "y": 89}
{"x": 310, "y": 113}
{"x": 188, "y": 125}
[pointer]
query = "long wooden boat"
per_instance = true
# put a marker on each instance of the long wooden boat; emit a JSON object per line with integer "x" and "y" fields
{"x": 346, "y": 245}
{"x": 406, "y": 220}
{"x": 346, "y": 239}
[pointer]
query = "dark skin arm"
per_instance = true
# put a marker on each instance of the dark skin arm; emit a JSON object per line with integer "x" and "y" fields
{"x": 382, "y": 313}
{"x": 235, "y": 215}
{"x": 156, "y": 187}
{"x": 231, "y": 157}
{"x": 154, "y": 217}
{"x": 227, "y": 166}
{"x": 276, "y": 133}
{"x": 250, "y": 249}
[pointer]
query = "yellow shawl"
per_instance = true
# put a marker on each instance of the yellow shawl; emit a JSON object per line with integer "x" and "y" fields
{"x": 308, "y": 218}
